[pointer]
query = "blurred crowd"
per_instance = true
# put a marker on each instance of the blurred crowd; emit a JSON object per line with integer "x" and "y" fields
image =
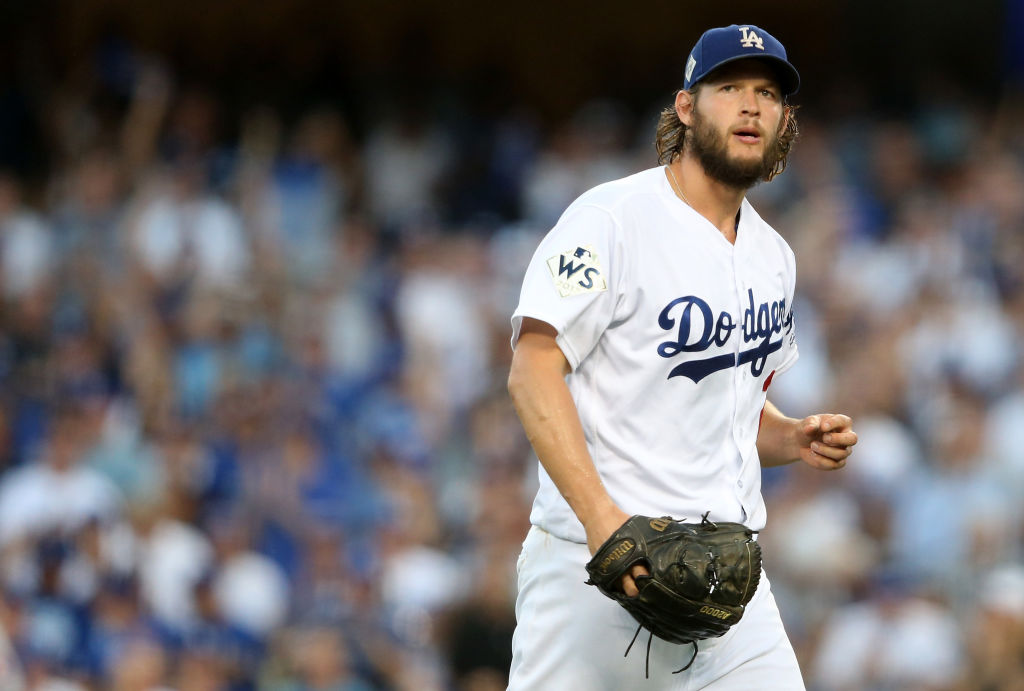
{"x": 253, "y": 423}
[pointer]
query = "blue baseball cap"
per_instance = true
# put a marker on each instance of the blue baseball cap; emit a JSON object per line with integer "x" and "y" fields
{"x": 726, "y": 44}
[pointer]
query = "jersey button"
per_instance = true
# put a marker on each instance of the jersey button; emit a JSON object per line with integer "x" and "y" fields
{"x": 740, "y": 483}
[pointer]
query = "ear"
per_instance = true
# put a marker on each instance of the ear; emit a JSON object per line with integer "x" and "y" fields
{"x": 684, "y": 106}
{"x": 787, "y": 112}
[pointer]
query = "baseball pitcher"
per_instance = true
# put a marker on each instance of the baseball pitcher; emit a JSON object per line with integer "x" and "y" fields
{"x": 652, "y": 321}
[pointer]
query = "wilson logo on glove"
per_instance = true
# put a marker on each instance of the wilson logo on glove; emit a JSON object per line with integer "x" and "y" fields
{"x": 660, "y": 524}
{"x": 618, "y": 553}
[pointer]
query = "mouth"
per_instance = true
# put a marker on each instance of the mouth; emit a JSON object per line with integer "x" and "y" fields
{"x": 747, "y": 135}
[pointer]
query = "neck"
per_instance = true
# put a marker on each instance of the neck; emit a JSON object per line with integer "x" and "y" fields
{"x": 718, "y": 203}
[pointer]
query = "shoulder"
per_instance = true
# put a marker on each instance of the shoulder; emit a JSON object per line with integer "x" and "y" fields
{"x": 617, "y": 197}
{"x": 21, "y": 478}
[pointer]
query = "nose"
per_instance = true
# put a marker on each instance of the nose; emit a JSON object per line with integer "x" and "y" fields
{"x": 749, "y": 104}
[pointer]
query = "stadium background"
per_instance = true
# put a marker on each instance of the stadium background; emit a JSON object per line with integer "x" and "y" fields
{"x": 257, "y": 262}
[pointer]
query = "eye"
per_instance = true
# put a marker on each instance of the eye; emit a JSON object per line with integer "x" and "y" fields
{"x": 768, "y": 93}
{"x": 728, "y": 87}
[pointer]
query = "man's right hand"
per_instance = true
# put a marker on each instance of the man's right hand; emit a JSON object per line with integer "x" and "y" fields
{"x": 600, "y": 529}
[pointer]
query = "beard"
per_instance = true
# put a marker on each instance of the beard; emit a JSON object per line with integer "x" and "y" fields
{"x": 712, "y": 150}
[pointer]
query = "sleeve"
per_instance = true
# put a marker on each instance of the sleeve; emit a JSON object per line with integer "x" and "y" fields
{"x": 789, "y": 349}
{"x": 572, "y": 281}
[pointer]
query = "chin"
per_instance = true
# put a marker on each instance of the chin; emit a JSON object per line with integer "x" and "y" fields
{"x": 750, "y": 160}
{"x": 748, "y": 151}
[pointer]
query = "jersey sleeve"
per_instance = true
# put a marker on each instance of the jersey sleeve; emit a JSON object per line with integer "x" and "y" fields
{"x": 572, "y": 281}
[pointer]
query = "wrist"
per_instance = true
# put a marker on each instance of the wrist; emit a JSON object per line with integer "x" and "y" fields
{"x": 794, "y": 439}
{"x": 779, "y": 439}
{"x": 600, "y": 522}
{"x": 597, "y": 512}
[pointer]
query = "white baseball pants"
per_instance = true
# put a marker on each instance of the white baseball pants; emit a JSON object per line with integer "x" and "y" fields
{"x": 570, "y": 637}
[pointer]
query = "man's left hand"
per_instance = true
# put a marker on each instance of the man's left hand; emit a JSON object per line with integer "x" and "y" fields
{"x": 826, "y": 440}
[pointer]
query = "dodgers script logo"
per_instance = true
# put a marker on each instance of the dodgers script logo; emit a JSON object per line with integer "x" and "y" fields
{"x": 698, "y": 330}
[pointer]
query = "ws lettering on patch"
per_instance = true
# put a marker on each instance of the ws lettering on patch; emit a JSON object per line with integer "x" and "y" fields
{"x": 697, "y": 329}
{"x": 576, "y": 272}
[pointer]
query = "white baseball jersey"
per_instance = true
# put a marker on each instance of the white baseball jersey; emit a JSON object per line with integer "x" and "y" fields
{"x": 673, "y": 335}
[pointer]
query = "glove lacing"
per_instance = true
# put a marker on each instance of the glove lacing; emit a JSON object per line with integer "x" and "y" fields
{"x": 647, "y": 662}
{"x": 712, "y": 573}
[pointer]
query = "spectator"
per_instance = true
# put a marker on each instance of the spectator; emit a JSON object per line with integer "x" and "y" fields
{"x": 56, "y": 491}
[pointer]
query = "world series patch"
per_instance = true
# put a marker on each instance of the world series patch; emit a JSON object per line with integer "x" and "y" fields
{"x": 577, "y": 271}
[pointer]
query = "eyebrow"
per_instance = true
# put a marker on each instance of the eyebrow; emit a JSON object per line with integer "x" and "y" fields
{"x": 759, "y": 80}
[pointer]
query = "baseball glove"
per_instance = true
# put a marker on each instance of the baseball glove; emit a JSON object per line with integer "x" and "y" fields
{"x": 702, "y": 575}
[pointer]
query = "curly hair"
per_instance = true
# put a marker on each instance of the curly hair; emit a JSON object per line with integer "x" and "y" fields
{"x": 670, "y": 136}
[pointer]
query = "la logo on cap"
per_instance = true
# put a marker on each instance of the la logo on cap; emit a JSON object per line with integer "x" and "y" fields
{"x": 750, "y": 39}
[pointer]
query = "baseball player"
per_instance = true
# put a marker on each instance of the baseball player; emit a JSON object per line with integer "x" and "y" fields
{"x": 652, "y": 320}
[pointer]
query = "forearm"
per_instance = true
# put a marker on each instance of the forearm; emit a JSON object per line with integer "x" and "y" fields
{"x": 551, "y": 422}
{"x": 778, "y": 437}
